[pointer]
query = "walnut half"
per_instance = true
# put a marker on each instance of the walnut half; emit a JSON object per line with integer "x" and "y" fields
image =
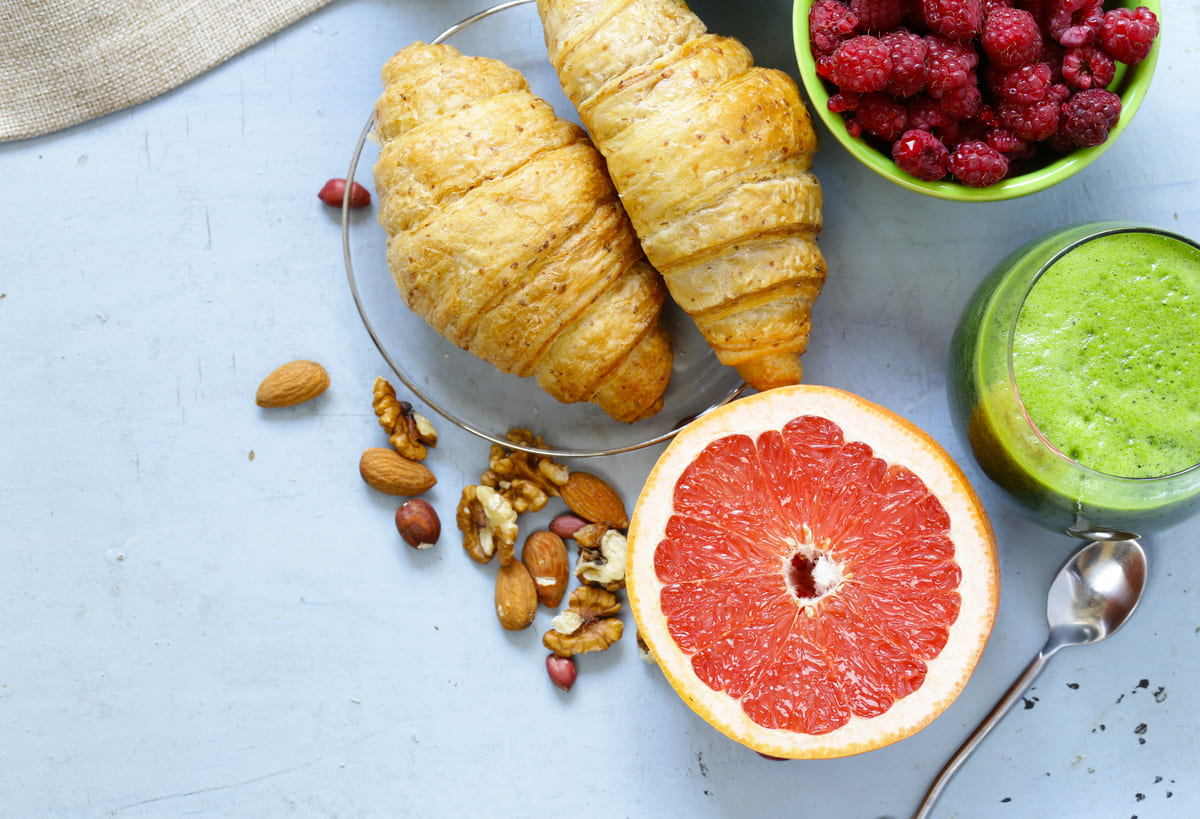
{"x": 601, "y": 556}
{"x": 528, "y": 481}
{"x": 408, "y": 431}
{"x": 488, "y": 524}
{"x": 588, "y": 624}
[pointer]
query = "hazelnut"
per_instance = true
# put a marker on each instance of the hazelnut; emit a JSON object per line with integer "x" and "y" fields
{"x": 418, "y": 523}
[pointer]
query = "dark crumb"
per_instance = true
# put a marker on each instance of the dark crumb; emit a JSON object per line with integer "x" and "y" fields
{"x": 1139, "y": 796}
{"x": 1140, "y": 729}
{"x": 1073, "y": 686}
{"x": 1143, "y": 684}
{"x": 1006, "y": 799}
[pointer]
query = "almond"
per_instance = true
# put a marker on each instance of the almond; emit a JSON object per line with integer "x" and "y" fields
{"x": 545, "y": 555}
{"x": 389, "y": 472}
{"x": 516, "y": 596}
{"x": 292, "y": 384}
{"x": 594, "y": 500}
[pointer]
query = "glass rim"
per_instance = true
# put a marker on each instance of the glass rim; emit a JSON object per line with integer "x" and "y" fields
{"x": 1101, "y": 231}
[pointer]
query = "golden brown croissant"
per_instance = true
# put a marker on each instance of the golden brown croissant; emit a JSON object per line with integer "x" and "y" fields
{"x": 506, "y": 236}
{"x": 712, "y": 158}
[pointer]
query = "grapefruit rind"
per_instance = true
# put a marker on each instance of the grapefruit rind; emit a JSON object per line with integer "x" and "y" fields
{"x": 896, "y": 441}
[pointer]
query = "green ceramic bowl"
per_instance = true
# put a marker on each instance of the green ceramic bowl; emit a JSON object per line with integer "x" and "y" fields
{"x": 1131, "y": 84}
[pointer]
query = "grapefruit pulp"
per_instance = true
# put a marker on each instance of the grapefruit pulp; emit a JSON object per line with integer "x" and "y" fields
{"x": 813, "y": 574}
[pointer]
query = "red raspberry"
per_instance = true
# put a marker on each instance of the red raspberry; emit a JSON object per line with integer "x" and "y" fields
{"x": 925, "y": 113}
{"x": 1024, "y": 84}
{"x": 1074, "y": 22}
{"x": 963, "y": 101}
{"x": 1005, "y": 141}
{"x": 861, "y": 64}
{"x": 977, "y": 164}
{"x": 1053, "y": 55}
{"x": 1011, "y": 37}
{"x": 842, "y": 102}
{"x": 829, "y": 23}
{"x": 1032, "y": 122}
{"x": 907, "y": 52}
{"x": 1087, "y": 67}
{"x": 1128, "y": 34}
{"x": 919, "y": 153}
{"x": 991, "y": 5}
{"x": 878, "y": 15}
{"x": 1059, "y": 92}
{"x": 1088, "y": 116}
{"x": 956, "y": 19}
{"x": 947, "y": 64}
{"x": 881, "y": 116}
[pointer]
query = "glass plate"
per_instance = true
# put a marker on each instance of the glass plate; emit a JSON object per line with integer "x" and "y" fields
{"x": 463, "y": 389}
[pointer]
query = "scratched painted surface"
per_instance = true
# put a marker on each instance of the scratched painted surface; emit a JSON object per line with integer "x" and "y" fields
{"x": 205, "y": 613}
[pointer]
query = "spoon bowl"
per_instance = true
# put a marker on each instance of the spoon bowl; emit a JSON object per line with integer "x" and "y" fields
{"x": 1091, "y": 597}
{"x": 1095, "y": 592}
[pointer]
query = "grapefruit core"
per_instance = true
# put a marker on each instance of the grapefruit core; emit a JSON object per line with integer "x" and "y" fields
{"x": 813, "y": 574}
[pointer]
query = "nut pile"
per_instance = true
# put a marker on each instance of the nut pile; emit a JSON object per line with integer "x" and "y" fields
{"x": 517, "y": 482}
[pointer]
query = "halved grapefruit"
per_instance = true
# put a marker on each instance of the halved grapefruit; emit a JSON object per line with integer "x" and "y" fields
{"x": 814, "y": 575}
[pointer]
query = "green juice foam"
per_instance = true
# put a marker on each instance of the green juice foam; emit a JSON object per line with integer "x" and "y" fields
{"x": 1106, "y": 355}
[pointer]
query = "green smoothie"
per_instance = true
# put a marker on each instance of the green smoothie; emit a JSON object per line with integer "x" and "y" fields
{"x": 1094, "y": 421}
{"x": 1106, "y": 354}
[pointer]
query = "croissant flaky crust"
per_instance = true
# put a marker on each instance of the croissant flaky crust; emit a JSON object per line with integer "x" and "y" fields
{"x": 506, "y": 235}
{"x": 712, "y": 157}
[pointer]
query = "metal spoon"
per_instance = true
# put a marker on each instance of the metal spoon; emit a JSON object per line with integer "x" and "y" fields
{"x": 1091, "y": 597}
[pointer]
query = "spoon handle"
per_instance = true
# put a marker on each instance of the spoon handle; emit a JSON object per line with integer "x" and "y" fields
{"x": 1002, "y": 707}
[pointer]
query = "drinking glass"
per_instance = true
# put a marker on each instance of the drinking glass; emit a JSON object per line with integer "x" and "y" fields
{"x": 1047, "y": 484}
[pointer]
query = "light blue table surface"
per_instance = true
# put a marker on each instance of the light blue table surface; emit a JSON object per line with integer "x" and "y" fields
{"x": 205, "y": 611}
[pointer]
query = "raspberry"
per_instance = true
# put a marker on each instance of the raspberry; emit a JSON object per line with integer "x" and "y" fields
{"x": 1024, "y": 84}
{"x": 919, "y": 153}
{"x": 829, "y": 23}
{"x": 956, "y": 19}
{"x": 1128, "y": 34}
{"x": 947, "y": 64}
{"x": 977, "y": 164}
{"x": 1088, "y": 116}
{"x": 878, "y": 15}
{"x": 842, "y": 102}
{"x": 907, "y": 52}
{"x": 925, "y": 113}
{"x": 1087, "y": 67}
{"x": 1053, "y": 55}
{"x": 1058, "y": 92}
{"x": 1005, "y": 141}
{"x": 1074, "y": 22}
{"x": 1032, "y": 122}
{"x": 991, "y": 5}
{"x": 963, "y": 101}
{"x": 881, "y": 116}
{"x": 1011, "y": 37}
{"x": 861, "y": 64}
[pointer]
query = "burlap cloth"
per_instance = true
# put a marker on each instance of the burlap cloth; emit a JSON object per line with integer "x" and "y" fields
{"x": 63, "y": 62}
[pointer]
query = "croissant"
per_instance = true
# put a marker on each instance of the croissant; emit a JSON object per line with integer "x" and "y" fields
{"x": 506, "y": 235}
{"x": 712, "y": 158}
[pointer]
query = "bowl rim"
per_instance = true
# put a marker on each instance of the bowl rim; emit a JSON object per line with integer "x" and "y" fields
{"x": 1028, "y": 183}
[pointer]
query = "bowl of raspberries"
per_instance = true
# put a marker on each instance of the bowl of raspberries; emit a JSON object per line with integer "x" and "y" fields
{"x": 976, "y": 100}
